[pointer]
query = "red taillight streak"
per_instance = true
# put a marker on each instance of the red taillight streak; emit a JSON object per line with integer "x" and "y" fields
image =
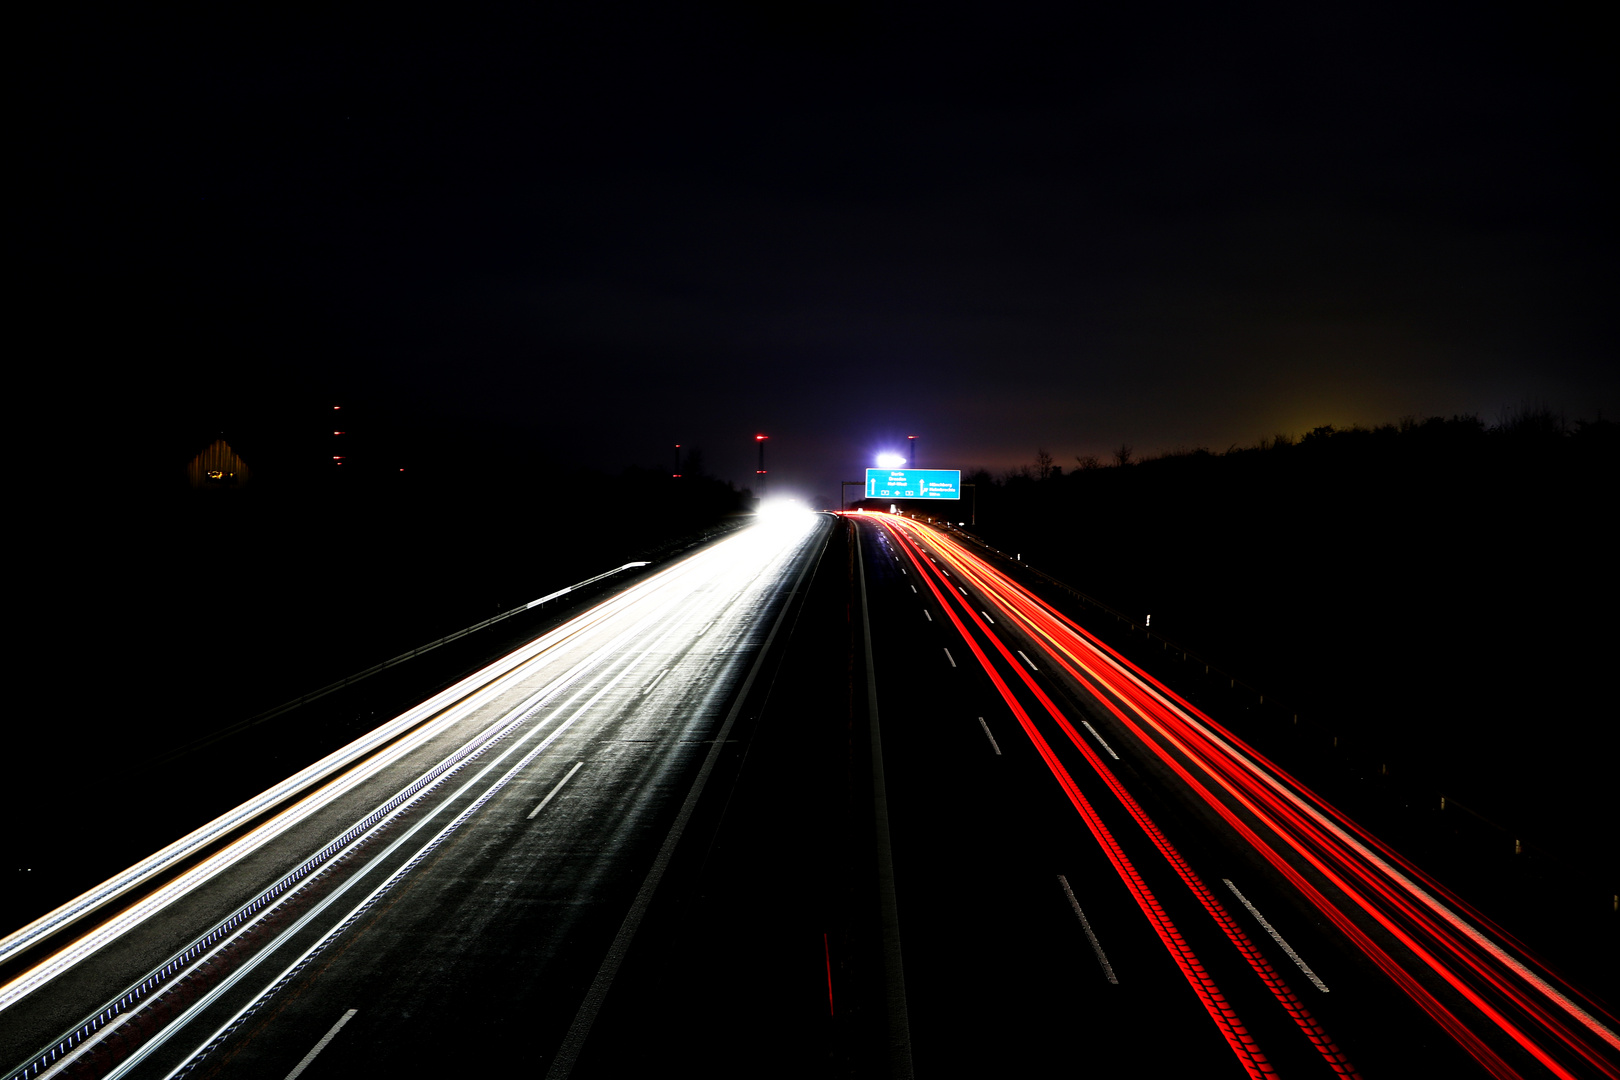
{"x": 1443, "y": 1016}
{"x": 1242, "y": 1043}
{"x": 1327, "y": 814}
{"x": 1274, "y": 982}
{"x": 1449, "y": 1022}
{"x": 1219, "y": 765}
{"x": 826, "y": 947}
{"x": 1300, "y": 832}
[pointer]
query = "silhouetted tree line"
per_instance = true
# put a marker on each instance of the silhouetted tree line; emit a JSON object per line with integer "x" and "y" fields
{"x": 1436, "y": 589}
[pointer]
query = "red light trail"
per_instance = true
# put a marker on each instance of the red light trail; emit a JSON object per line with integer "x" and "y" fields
{"x": 1293, "y": 829}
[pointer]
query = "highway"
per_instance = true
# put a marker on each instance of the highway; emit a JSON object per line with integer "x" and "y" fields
{"x": 1178, "y": 900}
{"x": 836, "y": 796}
{"x": 459, "y": 886}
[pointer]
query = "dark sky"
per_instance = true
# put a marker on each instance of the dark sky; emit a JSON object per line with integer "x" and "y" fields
{"x": 595, "y": 230}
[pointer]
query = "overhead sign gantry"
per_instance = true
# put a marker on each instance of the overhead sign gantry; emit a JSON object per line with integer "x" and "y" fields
{"x": 913, "y": 483}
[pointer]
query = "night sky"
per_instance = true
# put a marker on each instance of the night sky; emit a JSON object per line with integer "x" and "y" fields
{"x": 585, "y": 232}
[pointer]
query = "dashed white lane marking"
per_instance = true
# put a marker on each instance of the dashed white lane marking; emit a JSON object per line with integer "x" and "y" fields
{"x": 1096, "y": 946}
{"x": 1287, "y": 948}
{"x": 656, "y": 680}
{"x": 949, "y": 657}
{"x": 1028, "y": 661}
{"x": 328, "y": 1037}
{"x": 577, "y": 766}
{"x": 1099, "y": 738}
{"x": 986, "y": 614}
{"x": 914, "y": 588}
{"x": 989, "y": 736}
{"x": 927, "y": 616}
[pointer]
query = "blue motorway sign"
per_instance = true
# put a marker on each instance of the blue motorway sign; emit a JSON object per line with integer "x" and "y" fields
{"x": 913, "y": 483}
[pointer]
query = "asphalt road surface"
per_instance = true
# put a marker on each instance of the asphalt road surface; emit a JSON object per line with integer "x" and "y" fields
{"x": 1092, "y": 872}
{"x": 833, "y": 797}
{"x": 457, "y": 889}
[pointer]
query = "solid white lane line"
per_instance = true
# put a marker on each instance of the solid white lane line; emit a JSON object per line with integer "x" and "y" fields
{"x": 927, "y": 616}
{"x": 562, "y": 1064}
{"x": 1096, "y": 946}
{"x": 1099, "y": 738}
{"x": 989, "y": 736}
{"x": 949, "y": 657}
{"x": 1287, "y": 948}
{"x": 986, "y": 614}
{"x": 328, "y": 1037}
{"x": 1028, "y": 661}
{"x": 578, "y": 766}
{"x": 657, "y": 679}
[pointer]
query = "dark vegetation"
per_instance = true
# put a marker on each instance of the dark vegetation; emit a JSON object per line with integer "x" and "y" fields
{"x": 157, "y": 615}
{"x": 1434, "y": 599}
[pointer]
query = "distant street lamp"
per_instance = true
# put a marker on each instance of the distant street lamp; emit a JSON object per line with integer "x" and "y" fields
{"x": 760, "y": 472}
{"x": 912, "y": 441}
{"x": 677, "y": 461}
